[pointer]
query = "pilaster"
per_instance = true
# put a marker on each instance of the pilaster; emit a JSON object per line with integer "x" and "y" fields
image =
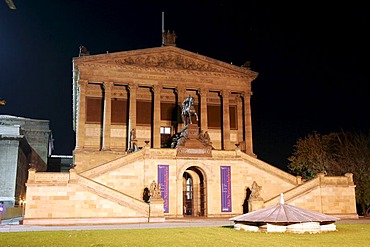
{"x": 107, "y": 114}
{"x": 248, "y": 123}
{"x": 132, "y": 110}
{"x": 225, "y": 94}
{"x": 157, "y": 116}
{"x": 239, "y": 109}
{"x": 81, "y": 119}
{"x": 203, "y": 108}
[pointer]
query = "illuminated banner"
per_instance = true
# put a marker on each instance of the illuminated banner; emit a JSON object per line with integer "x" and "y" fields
{"x": 163, "y": 181}
{"x": 225, "y": 189}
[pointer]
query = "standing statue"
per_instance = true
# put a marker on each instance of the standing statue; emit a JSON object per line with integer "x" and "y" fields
{"x": 188, "y": 110}
{"x": 155, "y": 190}
{"x": 255, "y": 192}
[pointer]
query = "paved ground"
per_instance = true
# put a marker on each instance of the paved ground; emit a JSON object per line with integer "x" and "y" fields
{"x": 13, "y": 225}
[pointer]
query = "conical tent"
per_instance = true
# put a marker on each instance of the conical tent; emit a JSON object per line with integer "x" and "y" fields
{"x": 284, "y": 213}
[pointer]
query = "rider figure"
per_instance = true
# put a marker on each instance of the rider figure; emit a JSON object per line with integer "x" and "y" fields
{"x": 188, "y": 110}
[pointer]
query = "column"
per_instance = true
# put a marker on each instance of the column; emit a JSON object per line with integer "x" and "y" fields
{"x": 203, "y": 109}
{"x": 107, "y": 113}
{"x": 157, "y": 116}
{"x": 81, "y": 114}
{"x": 239, "y": 109}
{"x": 248, "y": 123}
{"x": 132, "y": 111}
{"x": 181, "y": 95}
{"x": 225, "y": 94}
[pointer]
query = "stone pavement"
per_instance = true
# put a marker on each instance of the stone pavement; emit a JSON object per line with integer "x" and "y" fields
{"x": 13, "y": 225}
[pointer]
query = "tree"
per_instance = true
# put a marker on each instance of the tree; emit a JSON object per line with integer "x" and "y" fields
{"x": 352, "y": 154}
{"x": 335, "y": 154}
{"x": 311, "y": 155}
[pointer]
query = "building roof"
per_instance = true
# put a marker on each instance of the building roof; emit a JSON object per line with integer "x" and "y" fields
{"x": 283, "y": 213}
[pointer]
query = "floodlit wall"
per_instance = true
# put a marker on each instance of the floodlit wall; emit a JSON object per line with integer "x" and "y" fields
{"x": 113, "y": 191}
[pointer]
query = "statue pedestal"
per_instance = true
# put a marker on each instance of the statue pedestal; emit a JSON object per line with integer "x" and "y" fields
{"x": 255, "y": 205}
{"x": 156, "y": 209}
{"x": 191, "y": 145}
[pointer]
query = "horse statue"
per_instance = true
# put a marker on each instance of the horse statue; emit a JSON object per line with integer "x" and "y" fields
{"x": 188, "y": 110}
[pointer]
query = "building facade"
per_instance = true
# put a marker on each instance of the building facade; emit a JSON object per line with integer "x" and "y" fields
{"x": 130, "y": 133}
{"x": 24, "y": 142}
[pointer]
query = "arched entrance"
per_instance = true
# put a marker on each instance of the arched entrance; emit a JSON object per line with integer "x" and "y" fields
{"x": 194, "y": 192}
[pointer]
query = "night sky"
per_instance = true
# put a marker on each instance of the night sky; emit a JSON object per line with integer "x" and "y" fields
{"x": 310, "y": 58}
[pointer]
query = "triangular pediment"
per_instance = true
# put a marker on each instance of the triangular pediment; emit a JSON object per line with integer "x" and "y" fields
{"x": 167, "y": 57}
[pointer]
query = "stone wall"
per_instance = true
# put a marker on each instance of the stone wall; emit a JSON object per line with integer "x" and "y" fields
{"x": 113, "y": 190}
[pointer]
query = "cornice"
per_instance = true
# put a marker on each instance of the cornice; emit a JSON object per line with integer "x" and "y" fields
{"x": 164, "y": 60}
{"x": 132, "y": 70}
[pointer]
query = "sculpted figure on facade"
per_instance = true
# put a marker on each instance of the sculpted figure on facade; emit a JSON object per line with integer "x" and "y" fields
{"x": 204, "y": 138}
{"x": 83, "y": 51}
{"x": 155, "y": 190}
{"x": 169, "y": 38}
{"x": 255, "y": 194}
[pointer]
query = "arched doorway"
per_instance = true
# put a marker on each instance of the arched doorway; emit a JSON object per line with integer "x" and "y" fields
{"x": 194, "y": 192}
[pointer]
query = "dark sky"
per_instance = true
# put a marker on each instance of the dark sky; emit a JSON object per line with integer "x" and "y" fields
{"x": 310, "y": 58}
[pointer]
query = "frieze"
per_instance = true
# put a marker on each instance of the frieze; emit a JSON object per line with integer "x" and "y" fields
{"x": 202, "y": 152}
{"x": 130, "y": 69}
{"x": 193, "y": 151}
{"x": 168, "y": 61}
{"x": 52, "y": 177}
{"x": 119, "y": 95}
{"x": 44, "y": 132}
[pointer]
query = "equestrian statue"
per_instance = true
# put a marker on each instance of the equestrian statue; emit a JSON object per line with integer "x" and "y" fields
{"x": 188, "y": 110}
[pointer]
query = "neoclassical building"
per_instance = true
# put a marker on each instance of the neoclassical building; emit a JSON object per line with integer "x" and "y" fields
{"x": 144, "y": 89}
{"x": 130, "y": 133}
{"x": 24, "y": 142}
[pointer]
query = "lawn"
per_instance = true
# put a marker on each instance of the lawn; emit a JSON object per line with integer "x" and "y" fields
{"x": 346, "y": 235}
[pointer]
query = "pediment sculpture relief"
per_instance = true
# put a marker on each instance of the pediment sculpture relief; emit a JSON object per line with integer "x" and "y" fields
{"x": 168, "y": 61}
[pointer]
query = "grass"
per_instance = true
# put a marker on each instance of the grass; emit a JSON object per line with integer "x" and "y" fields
{"x": 346, "y": 235}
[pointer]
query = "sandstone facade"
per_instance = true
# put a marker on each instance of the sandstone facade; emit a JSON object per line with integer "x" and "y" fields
{"x": 126, "y": 114}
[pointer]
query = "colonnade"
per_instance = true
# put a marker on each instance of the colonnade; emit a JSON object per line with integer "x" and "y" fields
{"x": 243, "y": 116}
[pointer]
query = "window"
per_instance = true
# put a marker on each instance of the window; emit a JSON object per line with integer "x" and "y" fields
{"x": 214, "y": 116}
{"x": 166, "y": 130}
{"x": 143, "y": 112}
{"x": 168, "y": 111}
{"x": 119, "y": 111}
{"x": 94, "y": 110}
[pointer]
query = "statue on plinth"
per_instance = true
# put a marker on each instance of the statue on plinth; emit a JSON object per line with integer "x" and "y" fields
{"x": 155, "y": 190}
{"x": 255, "y": 194}
{"x": 188, "y": 110}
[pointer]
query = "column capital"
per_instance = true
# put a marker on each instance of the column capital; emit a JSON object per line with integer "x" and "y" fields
{"x": 180, "y": 90}
{"x": 132, "y": 87}
{"x": 246, "y": 94}
{"x": 107, "y": 85}
{"x": 203, "y": 91}
{"x": 83, "y": 82}
{"x": 225, "y": 93}
{"x": 156, "y": 88}
{"x": 239, "y": 97}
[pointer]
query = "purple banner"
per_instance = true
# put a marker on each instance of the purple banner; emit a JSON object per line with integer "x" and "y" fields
{"x": 225, "y": 189}
{"x": 163, "y": 181}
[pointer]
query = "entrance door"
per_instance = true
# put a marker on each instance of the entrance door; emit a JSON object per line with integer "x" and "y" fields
{"x": 188, "y": 195}
{"x": 194, "y": 196}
